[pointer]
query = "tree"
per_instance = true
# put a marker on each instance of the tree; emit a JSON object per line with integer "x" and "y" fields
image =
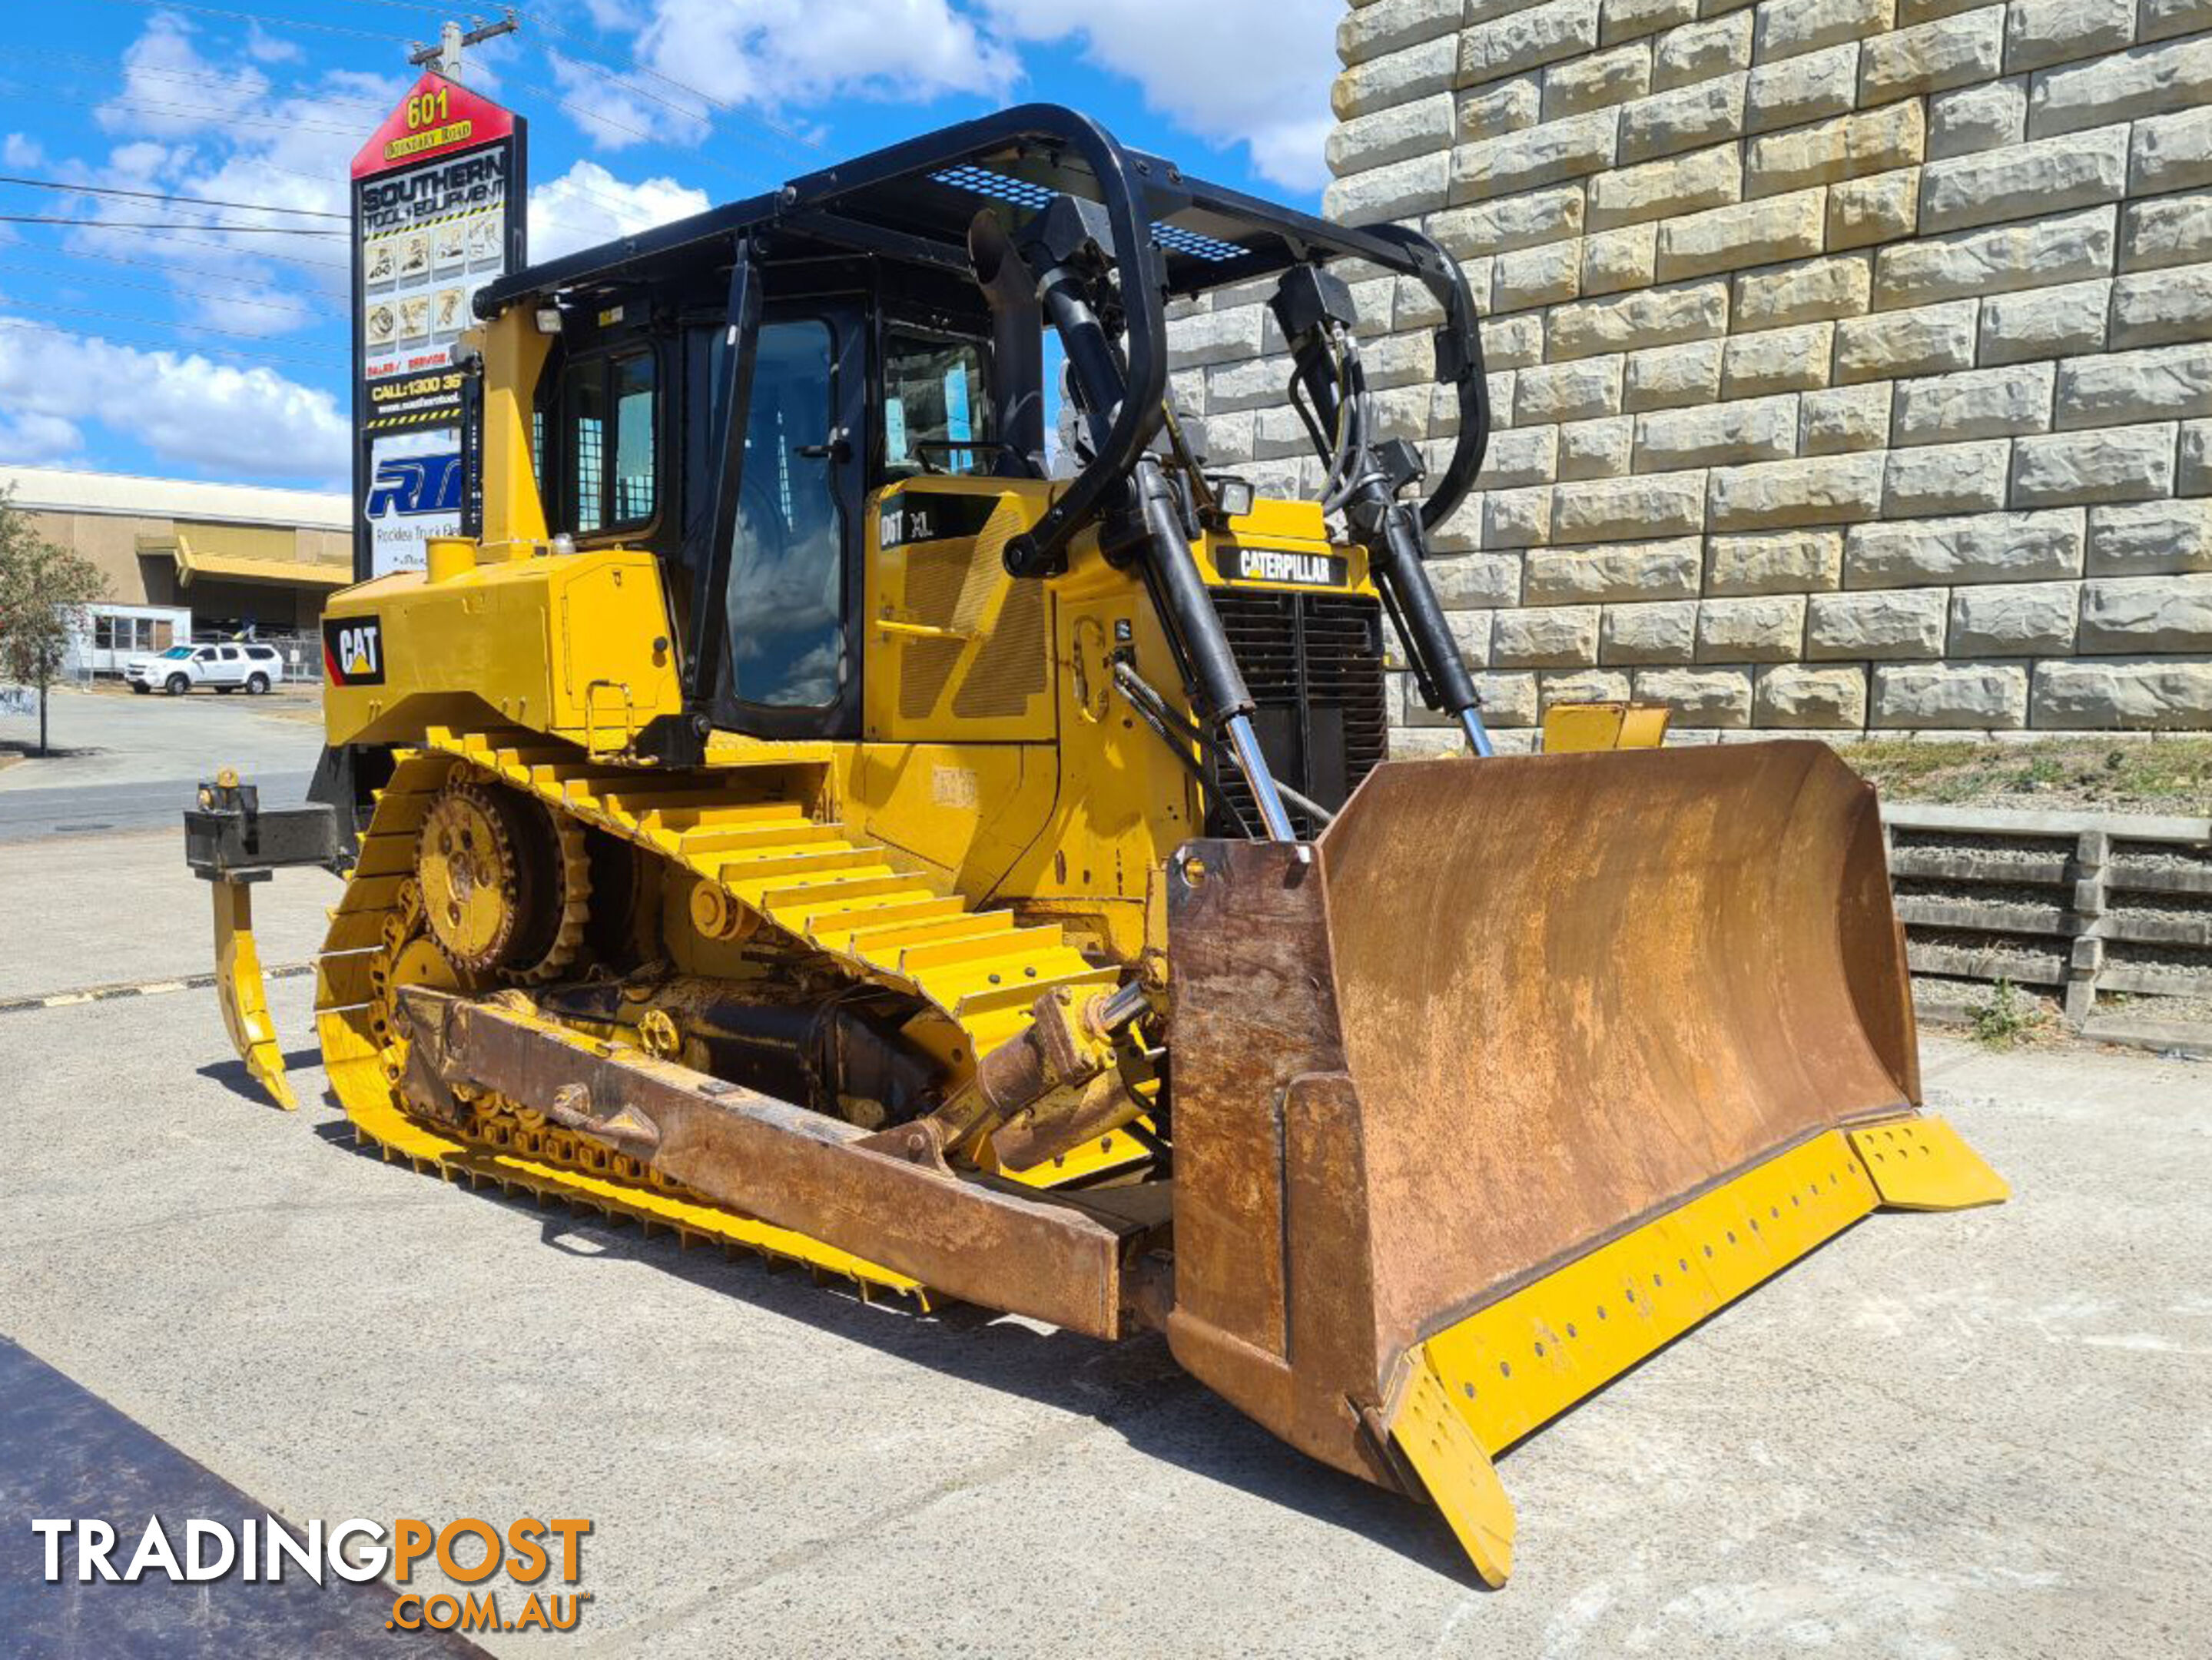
{"x": 43, "y": 590}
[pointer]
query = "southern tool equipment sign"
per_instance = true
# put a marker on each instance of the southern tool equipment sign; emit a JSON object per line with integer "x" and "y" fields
{"x": 438, "y": 200}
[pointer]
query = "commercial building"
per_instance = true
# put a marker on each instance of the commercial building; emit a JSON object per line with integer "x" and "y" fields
{"x": 184, "y": 559}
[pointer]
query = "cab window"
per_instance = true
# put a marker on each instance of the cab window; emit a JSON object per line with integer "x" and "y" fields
{"x": 937, "y": 406}
{"x": 786, "y": 588}
{"x": 608, "y": 441}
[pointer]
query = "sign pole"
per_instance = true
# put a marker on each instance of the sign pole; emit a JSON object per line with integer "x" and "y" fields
{"x": 446, "y": 57}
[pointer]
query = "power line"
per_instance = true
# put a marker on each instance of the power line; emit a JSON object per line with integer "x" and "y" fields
{"x": 228, "y": 82}
{"x": 143, "y": 346}
{"x": 666, "y": 79}
{"x": 162, "y": 195}
{"x": 160, "y": 224}
{"x": 170, "y": 265}
{"x": 295, "y": 307}
{"x": 613, "y": 204}
{"x": 155, "y": 323}
{"x": 258, "y": 17}
{"x": 618, "y": 209}
{"x": 259, "y": 253}
{"x": 216, "y": 117}
{"x": 145, "y": 106}
{"x": 416, "y": 6}
{"x": 589, "y": 114}
{"x": 206, "y": 114}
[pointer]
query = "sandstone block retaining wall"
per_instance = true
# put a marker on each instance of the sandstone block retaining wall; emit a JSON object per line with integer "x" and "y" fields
{"x": 1850, "y": 358}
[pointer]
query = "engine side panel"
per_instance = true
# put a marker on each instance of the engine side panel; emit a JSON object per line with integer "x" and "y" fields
{"x": 575, "y": 646}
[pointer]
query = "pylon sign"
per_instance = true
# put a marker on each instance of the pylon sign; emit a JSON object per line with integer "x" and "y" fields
{"x": 438, "y": 212}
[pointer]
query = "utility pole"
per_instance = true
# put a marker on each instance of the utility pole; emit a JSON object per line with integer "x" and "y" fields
{"x": 445, "y": 56}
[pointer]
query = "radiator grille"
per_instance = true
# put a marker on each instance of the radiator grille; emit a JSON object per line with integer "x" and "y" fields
{"x": 1313, "y": 663}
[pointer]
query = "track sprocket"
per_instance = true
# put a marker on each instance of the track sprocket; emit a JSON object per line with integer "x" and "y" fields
{"x": 505, "y": 883}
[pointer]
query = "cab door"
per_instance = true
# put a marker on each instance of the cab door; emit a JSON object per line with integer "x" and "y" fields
{"x": 958, "y": 651}
{"x": 791, "y": 661}
{"x": 229, "y": 666}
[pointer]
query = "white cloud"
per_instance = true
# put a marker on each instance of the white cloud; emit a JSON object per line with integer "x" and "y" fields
{"x": 481, "y": 65}
{"x": 164, "y": 93}
{"x": 190, "y": 409}
{"x": 20, "y": 149}
{"x": 139, "y": 163}
{"x": 299, "y": 162}
{"x": 288, "y": 166}
{"x": 587, "y": 205}
{"x": 246, "y": 296}
{"x": 31, "y": 440}
{"x": 248, "y": 422}
{"x": 774, "y": 53}
{"x": 613, "y": 14}
{"x": 616, "y": 111}
{"x": 1250, "y": 71}
{"x": 267, "y": 48}
{"x": 363, "y": 85}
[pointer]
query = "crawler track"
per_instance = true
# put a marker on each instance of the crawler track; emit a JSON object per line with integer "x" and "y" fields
{"x": 833, "y": 894}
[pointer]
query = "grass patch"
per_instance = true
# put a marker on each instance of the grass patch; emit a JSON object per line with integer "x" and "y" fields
{"x": 2172, "y": 774}
{"x": 2006, "y": 1019}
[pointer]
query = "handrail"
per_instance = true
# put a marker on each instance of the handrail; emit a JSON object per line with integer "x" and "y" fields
{"x": 1459, "y": 364}
{"x": 1143, "y": 343}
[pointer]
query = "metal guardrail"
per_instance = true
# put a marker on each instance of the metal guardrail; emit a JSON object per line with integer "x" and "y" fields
{"x": 2076, "y": 904}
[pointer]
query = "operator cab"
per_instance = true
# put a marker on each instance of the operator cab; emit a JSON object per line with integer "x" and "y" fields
{"x": 865, "y": 374}
{"x": 764, "y": 393}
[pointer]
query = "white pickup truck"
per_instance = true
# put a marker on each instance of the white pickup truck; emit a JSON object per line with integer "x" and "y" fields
{"x": 225, "y": 668}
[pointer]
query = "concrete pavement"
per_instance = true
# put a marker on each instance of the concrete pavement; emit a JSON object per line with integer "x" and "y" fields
{"x": 1980, "y": 1434}
{"x": 103, "y": 910}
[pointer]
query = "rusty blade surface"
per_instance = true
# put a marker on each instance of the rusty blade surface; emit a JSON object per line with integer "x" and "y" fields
{"x": 1512, "y": 1009}
{"x": 1575, "y": 989}
{"x": 783, "y": 1164}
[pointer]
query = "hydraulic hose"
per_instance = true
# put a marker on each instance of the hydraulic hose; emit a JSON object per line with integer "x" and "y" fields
{"x": 1217, "y": 683}
{"x": 1326, "y": 365}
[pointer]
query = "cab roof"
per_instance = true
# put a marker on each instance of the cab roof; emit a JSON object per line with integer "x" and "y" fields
{"x": 914, "y": 201}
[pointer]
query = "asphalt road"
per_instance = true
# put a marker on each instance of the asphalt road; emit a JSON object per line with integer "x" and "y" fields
{"x": 88, "y": 809}
{"x": 1967, "y": 1435}
{"x": 124, "y": 763}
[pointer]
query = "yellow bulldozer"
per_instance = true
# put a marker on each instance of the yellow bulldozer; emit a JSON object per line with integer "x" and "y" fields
{"x": 806, "y": 811}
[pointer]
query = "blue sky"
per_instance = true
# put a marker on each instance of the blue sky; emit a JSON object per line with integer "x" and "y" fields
{"x": 174, "y": 342}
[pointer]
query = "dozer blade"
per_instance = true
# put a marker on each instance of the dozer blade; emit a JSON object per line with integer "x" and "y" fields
{"x": 243, "y": 993}
{"x": 1522, "y": 1069}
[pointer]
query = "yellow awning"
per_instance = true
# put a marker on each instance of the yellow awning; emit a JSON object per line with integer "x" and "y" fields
{"x": 243, "y": 554}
